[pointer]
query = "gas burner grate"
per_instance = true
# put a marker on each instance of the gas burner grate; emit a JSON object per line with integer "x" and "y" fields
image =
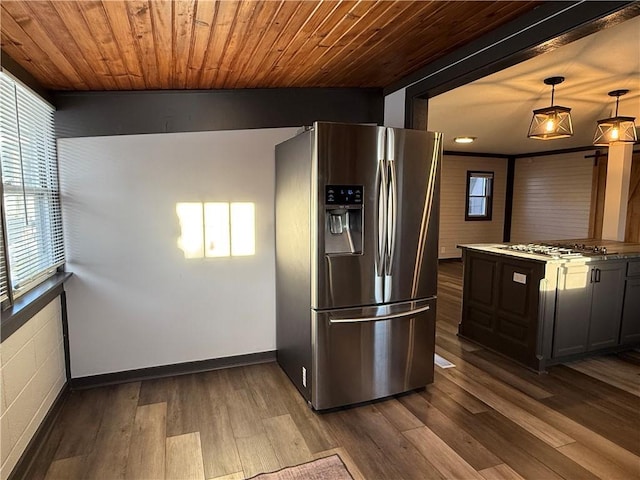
{"x": 554, "y": 251}
{"x": 559, "y": 250}
{"x": 587, "y": 249}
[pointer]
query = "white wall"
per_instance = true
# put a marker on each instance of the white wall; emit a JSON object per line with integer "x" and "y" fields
{"x": 134, "y": 300}
{"x": 31, "y": 377}
{"x": 394, "y": 109}
{"x": 552, "y": 197}
{"x": 454, "y": 230}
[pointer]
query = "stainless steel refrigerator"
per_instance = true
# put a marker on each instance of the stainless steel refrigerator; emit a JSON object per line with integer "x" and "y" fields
{"x": 356, "y": 261}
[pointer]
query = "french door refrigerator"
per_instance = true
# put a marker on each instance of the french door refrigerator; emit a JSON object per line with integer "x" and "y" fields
{"x": 356, "y": 261}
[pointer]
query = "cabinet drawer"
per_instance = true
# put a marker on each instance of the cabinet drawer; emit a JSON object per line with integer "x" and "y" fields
{"x": 633, "y": 268}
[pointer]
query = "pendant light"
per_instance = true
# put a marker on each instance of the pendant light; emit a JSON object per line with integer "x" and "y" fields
{"x": 551, "y": 122}
{"x": 615, "y": 129}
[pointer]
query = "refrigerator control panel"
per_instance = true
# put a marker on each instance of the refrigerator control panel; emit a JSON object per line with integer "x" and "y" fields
{"x": 343, "y": 194}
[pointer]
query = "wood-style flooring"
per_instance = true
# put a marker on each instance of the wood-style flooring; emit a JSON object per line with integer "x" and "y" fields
{"x": 486, "y": 418}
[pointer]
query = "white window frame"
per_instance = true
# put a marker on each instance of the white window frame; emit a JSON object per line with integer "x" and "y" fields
{"x": 32, "y": 219}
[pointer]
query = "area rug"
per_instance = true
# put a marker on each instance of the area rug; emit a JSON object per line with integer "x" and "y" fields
{"x": 327, "y": 468}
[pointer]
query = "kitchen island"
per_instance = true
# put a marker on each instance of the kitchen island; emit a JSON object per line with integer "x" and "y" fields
{"x": 543, "y": 304}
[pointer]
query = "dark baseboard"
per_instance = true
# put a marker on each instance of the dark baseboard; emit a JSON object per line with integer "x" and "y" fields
{"x": 171, "y": 370}
{"x": 450, "y": 260}
{"x": 38, "y": 441}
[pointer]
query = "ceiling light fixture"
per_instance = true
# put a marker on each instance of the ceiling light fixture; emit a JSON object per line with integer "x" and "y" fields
{"x": 551, "y": 122}
{"x": 464, "y": 139}
{"x": 615, "y": 129}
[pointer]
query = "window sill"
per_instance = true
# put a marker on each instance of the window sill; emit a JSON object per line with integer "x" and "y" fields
{"x": 31, "y": 303}
{"x": 477, "y": 219}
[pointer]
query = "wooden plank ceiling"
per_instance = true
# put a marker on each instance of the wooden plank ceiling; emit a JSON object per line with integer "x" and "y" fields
{"x": 204, "y": 44}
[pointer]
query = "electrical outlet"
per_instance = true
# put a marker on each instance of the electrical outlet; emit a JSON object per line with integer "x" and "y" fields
{"x": 304, "y": 377}
{"x": 443, "y": 249}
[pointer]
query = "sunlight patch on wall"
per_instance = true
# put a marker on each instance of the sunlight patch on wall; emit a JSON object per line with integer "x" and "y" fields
{"x": 191, "y": 240}
{"x": 217, "y": 240}
{"x": 216, "y": 229}
{"x": 243, "y": 231}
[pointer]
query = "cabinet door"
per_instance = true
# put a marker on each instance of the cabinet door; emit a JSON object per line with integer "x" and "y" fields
{"x": 573, "y": 302}
{"x": 606, "y": 305}
{"x": 630, "y": 330}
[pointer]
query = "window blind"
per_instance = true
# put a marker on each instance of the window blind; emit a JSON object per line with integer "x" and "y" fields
{"x": 4, "y": 293}
{"x": 30, "y": 186}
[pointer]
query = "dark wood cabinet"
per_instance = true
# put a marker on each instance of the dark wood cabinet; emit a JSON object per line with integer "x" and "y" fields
{"x": 500, "y": 304}
{"x": 573, "y": 302}
{"x": 543, "y": 313}
{"x": 588, "y": 307}
{"x": 606, "y": 304}
{"x": 630, "y": 329}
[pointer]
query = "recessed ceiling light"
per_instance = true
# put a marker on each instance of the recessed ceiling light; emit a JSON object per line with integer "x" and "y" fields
{"x": 464, "y": 139}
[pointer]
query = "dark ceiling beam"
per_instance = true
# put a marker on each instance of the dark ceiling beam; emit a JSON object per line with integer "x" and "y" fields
{"x": 545, "y": 28}
{"x": 88, "y": 114}
{"x": 12, "y": 67}
{"x": 560, "y": 151}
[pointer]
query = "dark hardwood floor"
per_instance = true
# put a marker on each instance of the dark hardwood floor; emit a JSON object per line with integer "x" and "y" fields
{"x": 486, "y": 418}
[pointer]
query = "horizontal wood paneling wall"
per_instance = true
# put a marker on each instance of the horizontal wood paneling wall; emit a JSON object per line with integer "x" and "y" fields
{"x": 552, "y": 197}
{"x": 454, "y": 230}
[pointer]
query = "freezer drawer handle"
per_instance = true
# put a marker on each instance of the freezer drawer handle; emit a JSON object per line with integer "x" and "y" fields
{"x": 381, "y": 317}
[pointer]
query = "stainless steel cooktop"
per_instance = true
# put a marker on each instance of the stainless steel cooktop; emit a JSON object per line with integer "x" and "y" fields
{"x": 559, "y": 250}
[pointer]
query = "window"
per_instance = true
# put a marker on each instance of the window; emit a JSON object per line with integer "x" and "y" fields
{"x": 479, "y": 195}
{"x": 30, "y": 194}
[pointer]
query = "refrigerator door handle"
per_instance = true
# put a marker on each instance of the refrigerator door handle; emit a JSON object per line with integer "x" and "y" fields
{"x": 381, "y": 194}
{"x": 374, "y": 318}
{"x": 392, "y": 213}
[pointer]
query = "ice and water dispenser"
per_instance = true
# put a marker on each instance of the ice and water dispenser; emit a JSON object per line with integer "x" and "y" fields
{"x": 343, "y": 219}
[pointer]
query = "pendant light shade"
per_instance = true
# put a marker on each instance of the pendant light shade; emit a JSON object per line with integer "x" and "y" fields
{"x": 551, "y": 122}
{"x": 615, "y": 129}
